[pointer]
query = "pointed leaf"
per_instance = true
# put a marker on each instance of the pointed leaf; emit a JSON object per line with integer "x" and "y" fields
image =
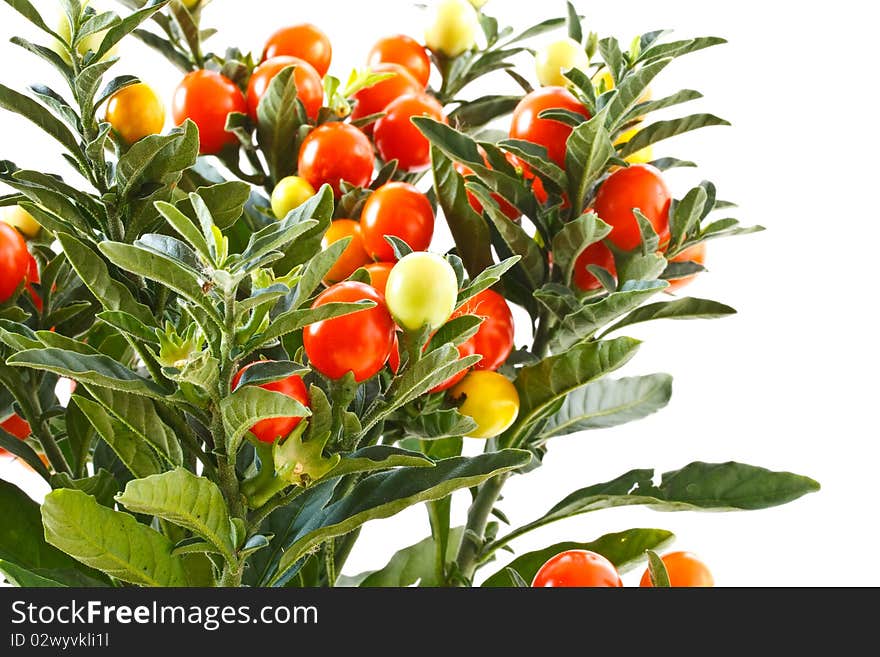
{"x": 110, "y": 541}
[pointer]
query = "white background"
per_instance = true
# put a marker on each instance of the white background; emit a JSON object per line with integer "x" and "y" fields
{"x": 789, "y": 383}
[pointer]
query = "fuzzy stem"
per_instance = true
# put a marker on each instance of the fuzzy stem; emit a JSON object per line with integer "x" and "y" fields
{"x": 478, "y": 518}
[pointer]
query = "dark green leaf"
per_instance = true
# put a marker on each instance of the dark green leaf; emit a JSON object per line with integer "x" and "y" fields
{"x": 591, "y": 317}
{"x": 543, "y": 386}
{"x": 385, "y": 494}
{"x": 30, "y": 109}
{"x": 661, "y": 130}
{"x": 684, "y": 308}
{"x": 574, "y": 237}
{"x": 468, "y": 229}
{"x": 608, "y": 403}
{"x": 22, "y": 543}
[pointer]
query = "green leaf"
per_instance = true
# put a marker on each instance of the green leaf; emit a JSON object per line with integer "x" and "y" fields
{"x": 139, "y": 415}
{"x": 657, "y": 569}
{"x": 388, "y": 493}
{"x": 543, "y": 386}
{"x": 30, "y": 109}
{"x": 128, "y": 325}
{"x": 278, "y": 123}
{"x": 609, "y": 403}
{"x": 698, "y": 486}
{"x": 439, "y": 425}
{"x": 225, "y": 202}
{"x": 486, "y": 279}
{"x": 630, "y": 91}
{"x": 248, "y": 405}
{"x": 574, "y": 237}
{"x": 573, "y": 23}
{"x": 23, "y": 578}
{"x": 23, "y": 451}
{"x": 583, "y": 323}
{"x": 684, "y": 308}
{"x": 609, "y": 48}
{"x": 22, "y": 545}
{"x": 624, "y": 549}
{"x": 661, "y": 130}
{"x": 540, "y": 28}
{"x": 641, "y": 110}
{"x": 294, "y": 320}
{"x": 299, "y": 224}
{"x": 531, "y": 261}
{"x": 468, "y": 229}
{"x": 192, "y": 502}
{"x": 184, "y": 226}
{"x": 27, "y": 9}
{"x": 161, "y": 269}
{"x": 379, "y": 457}
{"x": 157, "y": 159}
{"x": 687, "y": 215}
{"x": 588, "y": 150}
{"x": 411, "y": 565}
{"x": 535, "y": 157}
{"x": 127, "y": 25}
{"x": 110, "y": 541}
{"x": 479, "y": 112}
{"x": 679, "y": 48}
{"x": 98, "y": 370}
{"x": 102, "y": 486}
{"x": 132, "y": 450}
{"x": 431, "y": 370}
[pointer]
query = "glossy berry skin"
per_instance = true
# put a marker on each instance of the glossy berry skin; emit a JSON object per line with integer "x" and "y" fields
{"x": 304, "y": 41}
{"x": 290, "y": 193}
{"x": 596, "y": 254}
{"x": 494, "y": 339}
{"x": 397, "y": 137}
{"x": 135, "y": 112}
{"x": 488, "y": 398}
{"x": 16, "y": 426}
{"x": 697, "y": 254}
{"x": 334, "y": 152}
{"x": 309, "y": 87}
{"x": 400, "y": 210}
{"x": 637, "y": 187}
{"x": 452, "y": 27}
{"x": 207, "y": 98}
{"x": 271, "y": 429}
{"x": 550, "y": 134}
{"x": 577, "y": 568}
{"x": 359, "y": 342}
{"x": 379, "y": 272}
{"x": 17, "y": 217}
{"x": 684, "y": 570}
{"x": 556, "y": 58}
{"x": 353, "y": 257}
{"x": 421, "y": 291}
{"x": 405, "y": 51}
{"x": 14, "y": 261}
{"x": 375, "y": 99}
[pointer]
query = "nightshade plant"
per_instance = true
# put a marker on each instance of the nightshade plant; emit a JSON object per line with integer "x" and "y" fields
{"x": 162, "y": 273}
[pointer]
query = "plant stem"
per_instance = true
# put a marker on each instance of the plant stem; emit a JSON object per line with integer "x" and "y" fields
{"x": 478, "y": 518}
{"x": 542, "y": 335}
{"x": 330, "y": 563}
{"x": 30, "y": 408}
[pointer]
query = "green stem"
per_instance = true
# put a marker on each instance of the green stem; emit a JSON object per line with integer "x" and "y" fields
{"x": 478, "y": 518}
{"x": 345, "y": 546}
{"x": 27, "y": 399}
{"x": 282, "y": 499}
{"x": 543, "y": 335}
{"x": 330, "y": 563}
